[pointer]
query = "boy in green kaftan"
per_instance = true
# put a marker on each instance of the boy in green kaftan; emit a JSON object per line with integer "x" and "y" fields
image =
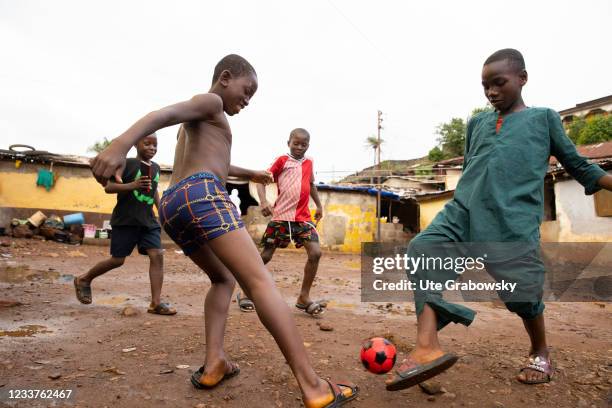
{"x": 499, "y": 199}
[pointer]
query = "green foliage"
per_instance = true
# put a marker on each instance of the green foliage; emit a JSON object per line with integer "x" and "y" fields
{"x": 574, "y": 129}
{"x": 99, "y": 146}
{"x": 476, "y": 111}
{"x": 451, "y": 140}
{"x": 435, "y": 154}
{"x": 452, "y": 137}
{"x": 372, "y": 141}
{"x": 424, "y": 170}
{"x": 597, "y": 129}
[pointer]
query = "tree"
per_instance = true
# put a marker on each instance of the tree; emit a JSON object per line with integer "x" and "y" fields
{"x": 574, "y": 129}
{"x": 451, "y": 140}
{"x": 452, "y": 137}
{"x": 99, "y": 146}
{"x": 372, "y": 141}
{"x": 597, "y": 129}
{"x": 435, "y": 155}
{"x": 476, "y": 111}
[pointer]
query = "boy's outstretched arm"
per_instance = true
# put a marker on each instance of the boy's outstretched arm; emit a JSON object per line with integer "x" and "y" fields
{"x": 256, "y": 176}
{"x": 111, "y": 161}
{"x": 266, "y": 208}
{"x": 314, "y": 193}
{"x": 588, "y": 174}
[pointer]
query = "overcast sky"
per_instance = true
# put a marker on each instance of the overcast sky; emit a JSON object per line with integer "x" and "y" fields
{"x": 73, "y": 72}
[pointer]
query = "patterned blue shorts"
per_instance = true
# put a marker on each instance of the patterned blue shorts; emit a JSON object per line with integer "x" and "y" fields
{"x": 197, "y": 209}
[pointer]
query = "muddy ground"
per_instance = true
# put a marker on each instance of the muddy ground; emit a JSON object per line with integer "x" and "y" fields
{"x": 49, "y": 334}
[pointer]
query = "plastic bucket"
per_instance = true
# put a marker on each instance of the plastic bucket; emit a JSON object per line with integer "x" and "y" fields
{"x": 76, "y": 218}
{"x": 37, "y": 218}
{"x": 89, "y": 230}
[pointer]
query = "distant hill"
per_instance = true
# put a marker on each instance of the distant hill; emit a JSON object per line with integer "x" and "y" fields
{"x": 387, "y": 168}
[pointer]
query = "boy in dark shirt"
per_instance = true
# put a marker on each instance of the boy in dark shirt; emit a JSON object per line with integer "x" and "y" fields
{"x": 134, "y": 224}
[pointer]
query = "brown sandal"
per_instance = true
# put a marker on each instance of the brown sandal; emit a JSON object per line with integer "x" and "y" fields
{"x": 83, "y": 292}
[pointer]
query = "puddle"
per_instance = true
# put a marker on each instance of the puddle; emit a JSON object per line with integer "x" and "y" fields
{"x": 66, "y": 278}
{"x": 23, "y": 273}
{"x": 25, "y": 331}
{"x": 112, "y": 301}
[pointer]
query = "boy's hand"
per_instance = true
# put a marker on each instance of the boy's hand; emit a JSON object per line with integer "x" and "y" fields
{"x": 262, "y": 177}
{"x": 266, "y": 208}
{"x": 110, "y": 162}
{"x": 142, "y": 183}
{"x": 318, "y": 214}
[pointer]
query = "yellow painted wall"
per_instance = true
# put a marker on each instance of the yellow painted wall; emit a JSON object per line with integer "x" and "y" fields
{"x": 74, "y": 190}
{"x": 69, "y": 193}
{"x": 429, "y": 209}
{"x": 348, "y": 220}
{"x": 361, "y": 225}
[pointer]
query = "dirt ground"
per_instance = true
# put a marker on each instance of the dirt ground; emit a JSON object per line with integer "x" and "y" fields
{"x": 51, "y": 335}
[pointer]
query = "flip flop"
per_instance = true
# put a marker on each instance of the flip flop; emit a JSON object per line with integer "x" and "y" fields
{"x": 162, "y": 309}
{"x": 543, "y": 365}
{"x": 195, "y": 377}
{"x": 411, "y": 373}
{"x": 315, "y": 308}
{"x": 339, "y": 397}
{"x": 83, "y": 292}
{"x": 245, "y": 304}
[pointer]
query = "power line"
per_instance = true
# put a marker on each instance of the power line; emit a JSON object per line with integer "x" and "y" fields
{"x": 357, "y": 28}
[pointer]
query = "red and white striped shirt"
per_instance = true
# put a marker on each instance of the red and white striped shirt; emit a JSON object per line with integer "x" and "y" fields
{"x": 293, "y": 178}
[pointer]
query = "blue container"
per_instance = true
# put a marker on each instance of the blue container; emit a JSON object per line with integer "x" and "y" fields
{"x": 76, "y": 218}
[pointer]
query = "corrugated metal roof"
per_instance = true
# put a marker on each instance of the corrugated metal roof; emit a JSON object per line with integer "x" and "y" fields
{"x": 359, "y": 189}
{"x": 601, "y": 150}
{"x": 595, "y": 103}
{"x": 44, "y": 157}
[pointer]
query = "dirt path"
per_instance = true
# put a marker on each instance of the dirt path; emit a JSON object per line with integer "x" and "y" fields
{"x": 52, "y": 334}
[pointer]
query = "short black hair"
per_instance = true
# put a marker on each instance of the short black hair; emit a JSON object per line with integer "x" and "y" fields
{"x": 299, "y": 130}
{"x": 235, "y": 64}
{"x": 140, "y": 140}
{"x": 514, "y": 57}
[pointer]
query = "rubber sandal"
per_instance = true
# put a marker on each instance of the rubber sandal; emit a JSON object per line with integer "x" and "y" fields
{"x": 245, "y": 304}
{"x": 195, "y": 377}
{"x": 411, "y": 373}
{"x": 83, "y": 292}
{"x": 543, "y": 365}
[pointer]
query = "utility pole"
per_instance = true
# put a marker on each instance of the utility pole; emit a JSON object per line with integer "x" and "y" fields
{"x": 378, "y": 186}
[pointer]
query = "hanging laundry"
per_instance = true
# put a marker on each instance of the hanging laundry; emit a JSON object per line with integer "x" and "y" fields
{"x": 45, "y": 179}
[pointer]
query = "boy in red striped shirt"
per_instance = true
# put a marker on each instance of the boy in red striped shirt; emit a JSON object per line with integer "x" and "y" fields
{"x": 291, "y": 220}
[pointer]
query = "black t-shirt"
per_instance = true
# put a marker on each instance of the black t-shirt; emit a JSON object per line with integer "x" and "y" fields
{"x": 136, "y": 207}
